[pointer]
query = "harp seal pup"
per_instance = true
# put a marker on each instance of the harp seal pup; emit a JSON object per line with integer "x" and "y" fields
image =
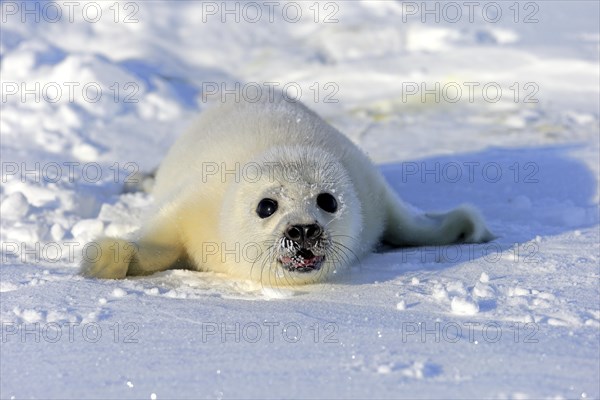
{"x": 269, "y": 191}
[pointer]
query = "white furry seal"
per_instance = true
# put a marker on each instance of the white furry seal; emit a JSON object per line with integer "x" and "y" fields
{"x": 269, "y": 191}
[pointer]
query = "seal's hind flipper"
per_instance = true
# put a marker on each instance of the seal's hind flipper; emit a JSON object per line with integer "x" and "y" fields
{"x": 464, "y": 224}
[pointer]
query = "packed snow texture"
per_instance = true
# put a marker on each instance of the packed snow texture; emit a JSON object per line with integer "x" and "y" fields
{"x": 495, "y": 104}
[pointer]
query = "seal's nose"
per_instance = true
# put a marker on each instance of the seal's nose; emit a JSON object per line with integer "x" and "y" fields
{"x": 303, "y": 234}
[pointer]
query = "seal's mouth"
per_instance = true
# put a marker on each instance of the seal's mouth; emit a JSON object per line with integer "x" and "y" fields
{"x": 303, "y": 261}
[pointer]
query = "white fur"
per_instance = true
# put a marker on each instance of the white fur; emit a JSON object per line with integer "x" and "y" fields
{"x": 207, "y": 189}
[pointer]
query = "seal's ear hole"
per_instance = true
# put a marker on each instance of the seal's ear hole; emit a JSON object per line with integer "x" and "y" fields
{"x": 266, "y": 208}
{"x": 327, "y": 202}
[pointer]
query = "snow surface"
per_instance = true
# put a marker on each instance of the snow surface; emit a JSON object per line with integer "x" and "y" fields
{"x": 517, "y": 318}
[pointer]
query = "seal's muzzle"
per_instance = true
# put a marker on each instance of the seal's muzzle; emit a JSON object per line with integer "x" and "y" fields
{"x": 304, "y": 238}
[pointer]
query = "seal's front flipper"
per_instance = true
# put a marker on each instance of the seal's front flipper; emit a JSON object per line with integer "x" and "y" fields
{"x": 117, "y": 258}
{"x": 110, "y": 260}
{"x": 158, "y": 249}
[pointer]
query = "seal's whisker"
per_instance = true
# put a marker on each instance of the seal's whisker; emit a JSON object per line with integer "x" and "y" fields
{"x": 348, "y": 249}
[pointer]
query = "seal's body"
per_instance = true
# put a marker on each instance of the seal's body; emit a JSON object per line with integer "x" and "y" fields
{"x": 269, "y": 191}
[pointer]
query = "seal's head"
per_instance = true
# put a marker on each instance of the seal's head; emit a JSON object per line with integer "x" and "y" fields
{"x": 294, "y": 216}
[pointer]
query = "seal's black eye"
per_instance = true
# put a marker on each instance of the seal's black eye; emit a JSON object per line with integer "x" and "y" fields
{"x": 266, "y": 208}
{"x": 327, "y": 202}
